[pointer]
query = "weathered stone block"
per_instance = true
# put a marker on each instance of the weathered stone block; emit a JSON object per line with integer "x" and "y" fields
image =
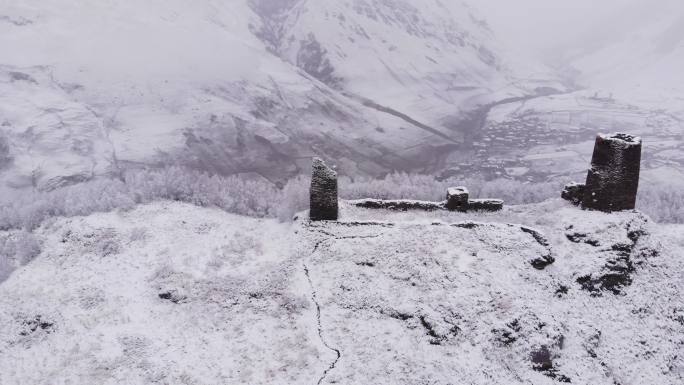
{"x": 573, "y": 192}
{"x": 323, "y": 194}
{"x": 457, "y": 199}
{"x": 613, "y": 180}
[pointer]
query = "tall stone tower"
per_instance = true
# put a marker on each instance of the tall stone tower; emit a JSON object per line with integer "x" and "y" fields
{"x": 323, "y": 193}
{"x": 613, "y": 180}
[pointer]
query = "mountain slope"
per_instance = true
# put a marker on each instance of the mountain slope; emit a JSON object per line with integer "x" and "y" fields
{"x": 397, "y": 53}
{"x": 239, "y": 86}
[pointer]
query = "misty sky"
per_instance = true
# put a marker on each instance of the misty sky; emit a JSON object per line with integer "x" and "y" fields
{"x": 536, "y": 26}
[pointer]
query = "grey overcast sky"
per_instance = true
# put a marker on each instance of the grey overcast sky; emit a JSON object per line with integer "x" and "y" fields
{"x": 542, "y": 25}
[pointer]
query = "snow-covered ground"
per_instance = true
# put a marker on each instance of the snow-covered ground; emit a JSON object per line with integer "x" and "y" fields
{"x": 166, "y": 293}
{"x": 174, "y": 294}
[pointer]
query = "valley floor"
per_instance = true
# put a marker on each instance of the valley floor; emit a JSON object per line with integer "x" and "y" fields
{"x": 169, "y": 293}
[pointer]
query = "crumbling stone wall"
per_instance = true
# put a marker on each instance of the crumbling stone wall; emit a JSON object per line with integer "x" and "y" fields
{"x": 457, "y": 199}
{"x": 490, "y": 205}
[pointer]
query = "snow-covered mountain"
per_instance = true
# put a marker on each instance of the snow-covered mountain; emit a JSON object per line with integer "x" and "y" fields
{"x": 413, "y": 57}
{"x": 90, "y": 88}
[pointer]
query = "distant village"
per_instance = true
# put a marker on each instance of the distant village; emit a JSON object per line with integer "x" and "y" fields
{"x": 504, "y": 149}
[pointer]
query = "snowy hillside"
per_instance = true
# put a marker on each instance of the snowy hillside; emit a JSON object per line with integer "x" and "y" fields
{"x": 425, "y": 59}
{"x": 239, "y": 86}
{"x": 171, "y": 293}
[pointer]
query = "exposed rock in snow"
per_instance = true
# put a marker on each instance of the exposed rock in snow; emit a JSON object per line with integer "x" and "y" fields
{"x": 573, "y": 192}
{"x": 323, "y": 193}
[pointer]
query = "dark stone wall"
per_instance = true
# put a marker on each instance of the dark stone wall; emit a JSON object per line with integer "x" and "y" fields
{"x": 323, "y": 193}
{"x": 398, "y": 205}
{"x": 613, "y": 180}
{"x": 485, "y": 205}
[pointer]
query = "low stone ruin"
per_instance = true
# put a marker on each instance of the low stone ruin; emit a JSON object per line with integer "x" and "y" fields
{"x": 457, "y": 199}
{"x": 491, "y": 205}
{"x": 398, "y": 205}
{"x": 613, "y": 180}
{"x": 323, "y": 193}
{"x": 323, "y": 198}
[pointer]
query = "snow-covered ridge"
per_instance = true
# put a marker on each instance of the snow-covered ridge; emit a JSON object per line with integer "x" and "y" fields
{"x": 172, "y": 293}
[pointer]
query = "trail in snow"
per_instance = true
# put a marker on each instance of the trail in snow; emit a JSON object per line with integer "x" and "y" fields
{"x": 314, "y": 298}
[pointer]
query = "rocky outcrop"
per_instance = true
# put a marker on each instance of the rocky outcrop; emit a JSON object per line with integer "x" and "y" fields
{"x": 323, "y": 193}
{"x": 546, "y": 259}
{"x": 574, "y": 193}
{"x": 617, "y": 259}
{"x": 613, "y": 180}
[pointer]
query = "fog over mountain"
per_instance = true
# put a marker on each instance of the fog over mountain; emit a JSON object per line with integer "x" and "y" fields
{"x": 595, "y": 37}
{"x": 539, "y": 27}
